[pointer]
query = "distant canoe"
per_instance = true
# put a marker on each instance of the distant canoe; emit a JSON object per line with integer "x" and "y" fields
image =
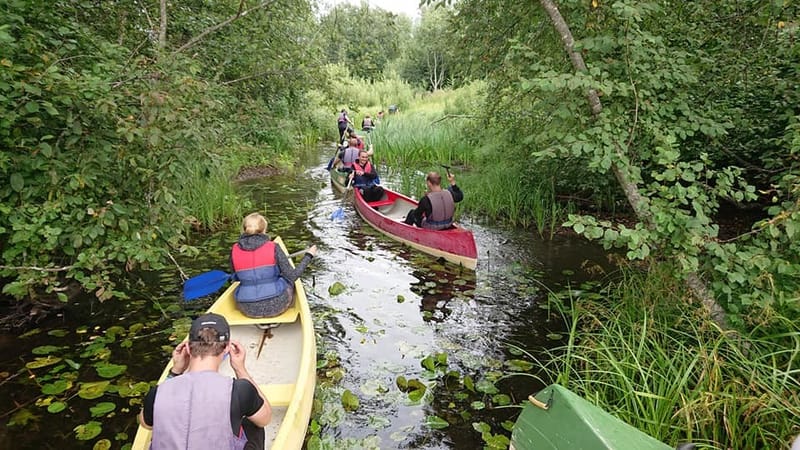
{"x": 285, "y": 369}
{"x": 556, "y": 418}
{"x": 338, "y": 180}
{"x": 455, "y": 244}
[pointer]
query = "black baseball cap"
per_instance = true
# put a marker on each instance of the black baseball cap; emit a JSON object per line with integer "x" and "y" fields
{"x": 210, "y": 320}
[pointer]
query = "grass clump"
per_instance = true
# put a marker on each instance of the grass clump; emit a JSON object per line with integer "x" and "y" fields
{"x": 646, "y": 355}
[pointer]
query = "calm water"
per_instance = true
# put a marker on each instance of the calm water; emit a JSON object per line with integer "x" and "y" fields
{"x": 399, "y": 307}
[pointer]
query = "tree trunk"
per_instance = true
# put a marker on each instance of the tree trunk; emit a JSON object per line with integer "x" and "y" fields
{"x": 162, "y": 29}
{"x": 639, "y": 204}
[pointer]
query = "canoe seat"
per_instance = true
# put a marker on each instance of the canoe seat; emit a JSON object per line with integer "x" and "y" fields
{"x": 278, "y": 394}
{"x": 380, "y": 203}
{"x": 235, "y": 317}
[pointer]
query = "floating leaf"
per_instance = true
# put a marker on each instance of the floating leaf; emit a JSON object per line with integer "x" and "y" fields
{"x": 102, "y": 444}
{"x": 42, "y": 362}
{"x": 57, "y": 387}
{"x": 468, "y": 383}
{"x": 501, "y": 399}
{"x": 554, "y": 336}
{"x": 73, "y": 364}
{"x": 402, "y": 383}
{"x": 87, "y": 431}
{"x": 349, "y": 400}
{"x": 58, "y": 333}
{"x": 481, "y": 427}
{"x": 416, "y": 395}
{"x": 102, "y": 408}
{"x": 478, "y": 405}
{"x": 91, "y": 391}
{"x": 519, "y": 365}
{"x": 56, "y": 407}
{"x": 400, "y": 299}
{"x": 486, "y": 386}
{"x": 108, "y": 370}
{"x": 45, "y": 349}
{"x": 336, "y": 288}
{"x": 436, "y": 422}
{"x": 22, "y": 417}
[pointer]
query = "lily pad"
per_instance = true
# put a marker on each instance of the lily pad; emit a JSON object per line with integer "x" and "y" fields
{"x": 102, "y": 408}
{"x": 91, "y": 391}
{"x": 349, "y": 400}
{"x": 108, "y": 370}
{"x": 45, "y": 349}
{"x": 87, "y": 431}
{"x": 102, "y": 444}
{"x": 57, "y": 387}
{"x": 43, "y": 362}
{"x": 436, "y": 422}
{"x": 336, "y": 288}
{"x": 56, "y": 407}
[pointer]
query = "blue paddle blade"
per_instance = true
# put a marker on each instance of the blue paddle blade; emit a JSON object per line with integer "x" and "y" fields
{"x": 204, "y": 284}
{"x": 338, "y": 214}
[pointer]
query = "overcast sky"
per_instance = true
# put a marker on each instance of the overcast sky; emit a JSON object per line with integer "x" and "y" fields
{"x": 407, "y": 7}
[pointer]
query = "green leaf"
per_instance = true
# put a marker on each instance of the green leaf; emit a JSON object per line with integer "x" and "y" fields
{"x": 42, "y": 362}
{"x": 102, "y": 444}
{"x": 108, "y": 370}
{"x": 350, "y": 401}
{"x": 17, "y": 182}
{"x": 57, "y": 387}
{"x": 336, "y": 289}
{"x": 87, "y": 431}
{"x": 56, "y": 407}
{"x": 93, "y": 390}
{"x": 102, "y": 408}
{"x": 45, "y": 349}
{"x": 31, "y": 107}
{"x": 436, "y": 422}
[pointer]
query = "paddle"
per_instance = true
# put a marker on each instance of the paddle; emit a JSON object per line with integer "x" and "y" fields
{"x": 339, "y": 213}
{"x": 447, "y": 168}
{"x": 210, "y": 282}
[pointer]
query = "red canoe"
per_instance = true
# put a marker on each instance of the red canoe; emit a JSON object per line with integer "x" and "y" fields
{"x": 455, "y": 244}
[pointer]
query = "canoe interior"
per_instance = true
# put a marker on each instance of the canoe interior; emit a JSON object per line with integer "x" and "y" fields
{"x": 572, "y": 422}
{"x": 387, "y": 215}
{"x": 285, "y": 370}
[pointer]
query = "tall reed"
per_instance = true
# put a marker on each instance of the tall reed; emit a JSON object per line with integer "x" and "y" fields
{"x": 647, "y": 356}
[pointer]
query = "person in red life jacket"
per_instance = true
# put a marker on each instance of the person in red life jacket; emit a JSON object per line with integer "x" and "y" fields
{"x": 365, "y": 177}
{"x": 436, "y": 208}
{"x": 343, "y": 121}
{"x": 186, "y": 410}
{"x": 266, "y": 276}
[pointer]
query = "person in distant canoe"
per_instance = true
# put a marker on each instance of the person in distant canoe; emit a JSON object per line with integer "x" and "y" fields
{"x": 347, "y": 156}
{"x": 436, "y": 208}
{"x": 195, "y": 395}
{"x": 343, "y": 121}
{"x": 367, "y": 123}
{"x": 365, "y": 177}
{"x": 266, "y": 277}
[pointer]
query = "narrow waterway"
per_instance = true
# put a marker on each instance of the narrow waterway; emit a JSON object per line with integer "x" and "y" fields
{"x": 398, "y": 308}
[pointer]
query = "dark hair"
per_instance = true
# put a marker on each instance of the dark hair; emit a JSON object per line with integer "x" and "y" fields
{"x": 208, "y": 344}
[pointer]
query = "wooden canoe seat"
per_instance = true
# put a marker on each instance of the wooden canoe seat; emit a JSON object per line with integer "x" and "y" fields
{"x": 380, "y": 203}
{"x": 278, "y": 394}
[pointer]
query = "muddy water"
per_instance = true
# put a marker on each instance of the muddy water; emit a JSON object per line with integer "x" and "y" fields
{"x": 399, "y": 306}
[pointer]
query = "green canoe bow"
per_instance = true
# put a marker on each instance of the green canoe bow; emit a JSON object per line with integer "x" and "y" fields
{"x": 571, "y": 422}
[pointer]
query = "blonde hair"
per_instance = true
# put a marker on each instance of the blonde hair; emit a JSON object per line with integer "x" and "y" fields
{"x": 254, "y": 223}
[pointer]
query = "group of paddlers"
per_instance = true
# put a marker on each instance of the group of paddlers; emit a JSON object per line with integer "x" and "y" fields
{"x": 435, "y": 209}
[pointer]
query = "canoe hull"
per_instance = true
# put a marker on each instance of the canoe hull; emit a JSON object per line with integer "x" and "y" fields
{"x": 338, "y": 180}
{"x": 571, "y": 421}
{"x": 456, "y": 245}
{"x": 285, "y": 369}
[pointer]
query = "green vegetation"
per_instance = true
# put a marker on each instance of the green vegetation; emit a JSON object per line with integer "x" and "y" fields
{"x": 640, "y": 351}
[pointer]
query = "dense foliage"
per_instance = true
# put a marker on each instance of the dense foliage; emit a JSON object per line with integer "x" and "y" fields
{"x": 698, "y": 114}
{"x": 103, "y": 124}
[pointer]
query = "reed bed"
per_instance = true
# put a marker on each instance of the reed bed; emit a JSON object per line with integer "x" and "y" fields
{"x": 647, "y": 356}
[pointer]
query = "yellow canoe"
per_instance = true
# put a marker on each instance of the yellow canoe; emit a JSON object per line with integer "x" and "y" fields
{"x": 285, "y": 370}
